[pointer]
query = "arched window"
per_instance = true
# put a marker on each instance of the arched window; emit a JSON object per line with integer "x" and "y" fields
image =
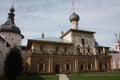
{"x": 105, "y": 66}
{"x": 89, "y": 66}
{"x": 99, "y": 51}
{"x": 88, "y": 50}
{"x": 67, "y": 67}
{"x": 100, "y": 67}
{"x": 81, "y": 67}
{"x": 83, "y": 41}
{"x": 41, "y": 67}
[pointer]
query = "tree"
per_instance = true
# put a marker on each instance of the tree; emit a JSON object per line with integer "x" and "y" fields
{"x": 13, "y": 65}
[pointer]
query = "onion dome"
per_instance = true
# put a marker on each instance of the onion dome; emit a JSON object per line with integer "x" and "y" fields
{"x": 9, "y": 25}
{"x": 74, "y": 17}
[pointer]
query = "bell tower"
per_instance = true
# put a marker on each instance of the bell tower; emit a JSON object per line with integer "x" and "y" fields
{"x": 74, "y": 18}
{"x": 117, "y": 43}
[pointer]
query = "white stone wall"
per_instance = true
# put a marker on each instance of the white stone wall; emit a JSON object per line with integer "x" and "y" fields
{"x": 3, "y": 50}
{"x": 88, "y": 38}
{"x": 115, "y": 60}
{"x": 68, "y": 37}
{"x": 117, "y": 46}
{"x": 12, "y": 38}
{"x": 1, "y": 66}
{"x": 76, "y": 38}
{"x": 74, "y": 24}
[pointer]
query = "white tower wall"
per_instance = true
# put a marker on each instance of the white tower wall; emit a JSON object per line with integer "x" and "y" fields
{"x": 12, "y": 38}
{"x": 74, "y": 24}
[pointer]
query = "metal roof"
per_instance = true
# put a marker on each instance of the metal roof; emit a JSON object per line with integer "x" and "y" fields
{"x": 101, "y": 46}
{"x": 52, "y": 39}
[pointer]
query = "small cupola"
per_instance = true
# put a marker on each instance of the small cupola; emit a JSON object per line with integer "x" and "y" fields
{"x": 74, "y": 17}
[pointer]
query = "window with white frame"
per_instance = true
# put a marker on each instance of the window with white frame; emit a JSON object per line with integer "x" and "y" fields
{"x": 41, "y": 47}
{"x": 89, "y": 66}
{"x": 41, "y": 67}
{"x": 67, "y": 67}
{"x": 81, "y": 67}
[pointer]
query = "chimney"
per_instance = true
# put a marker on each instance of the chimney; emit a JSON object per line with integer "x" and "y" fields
{"x": 42, "y": 35}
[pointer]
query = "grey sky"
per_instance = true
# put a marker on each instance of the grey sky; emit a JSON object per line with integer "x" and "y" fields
{"x": 52, "y": 16}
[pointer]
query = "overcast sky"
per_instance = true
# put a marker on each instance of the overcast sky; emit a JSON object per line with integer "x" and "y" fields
{"x": 52, "y": 16}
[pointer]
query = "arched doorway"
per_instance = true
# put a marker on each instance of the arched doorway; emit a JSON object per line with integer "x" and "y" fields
{"x": 57, "y": 68}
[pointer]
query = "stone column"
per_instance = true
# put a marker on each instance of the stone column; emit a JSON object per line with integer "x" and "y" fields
{"x": 52, "y": 68}
{"x": 76, "y": 64}
{"x": 96, "y": 66}
{"x": 49, "y": 70}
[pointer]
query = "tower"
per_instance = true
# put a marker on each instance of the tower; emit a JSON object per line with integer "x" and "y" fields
{"x": 74, "y": 19}
{"x": 117, "y": 43}
{"x": 10, "y": 32}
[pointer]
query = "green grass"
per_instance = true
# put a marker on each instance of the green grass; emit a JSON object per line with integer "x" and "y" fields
{"x": 115, "y": 75}
{"x": 35, "y": 77}
{"x": 50, "y": 77}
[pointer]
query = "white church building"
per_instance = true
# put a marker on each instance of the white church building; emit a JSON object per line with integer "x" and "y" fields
{"x": 10, "y": 35}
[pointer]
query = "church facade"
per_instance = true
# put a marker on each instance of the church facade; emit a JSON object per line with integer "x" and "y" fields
{"x": 75, "y": 50}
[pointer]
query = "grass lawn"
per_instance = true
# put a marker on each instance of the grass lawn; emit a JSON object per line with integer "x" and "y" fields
{"x": 36, "y": 77}
{"x": 96, "y": 76}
